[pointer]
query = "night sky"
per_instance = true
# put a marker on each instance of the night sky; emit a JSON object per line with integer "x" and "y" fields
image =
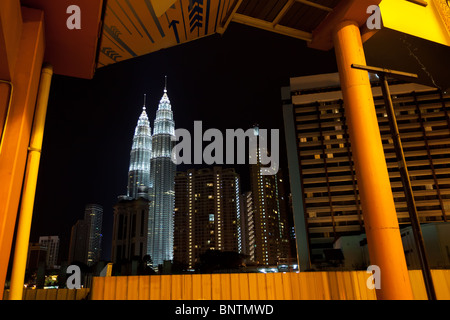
{"x": 230, "y": 81}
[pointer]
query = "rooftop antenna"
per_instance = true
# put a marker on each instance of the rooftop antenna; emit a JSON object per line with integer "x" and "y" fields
{"x": 165, "y": 84}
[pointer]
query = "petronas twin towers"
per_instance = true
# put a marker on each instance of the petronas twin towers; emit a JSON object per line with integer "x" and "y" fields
{"x": 152, "y": 173}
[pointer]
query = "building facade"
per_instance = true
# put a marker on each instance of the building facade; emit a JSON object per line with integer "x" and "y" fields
{"x": 325, "y": 200}
{"x": 162, "y": 194}
{"x": 130, "y": 229}
{"x": 271, "y": 228}
{"x": 79, "y": 242}
{"x": 207, "y": 213}
{"x": 248, "y": 239}
{"x": 52, "y": 245}
{"x": 139, "y": 170}
{"x": 86, "y": 236}
{"x": 93, "y": 215}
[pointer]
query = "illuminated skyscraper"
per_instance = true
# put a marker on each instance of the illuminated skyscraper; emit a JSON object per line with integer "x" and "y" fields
{"x": 162, "y": 194}
{"x": 207, "y": 213}
{"x": 269, "y": 213}
{"x": 139, "y": 171}
{"x": 86, "y": 236}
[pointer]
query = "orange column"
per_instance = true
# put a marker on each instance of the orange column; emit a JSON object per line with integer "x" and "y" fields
{"x": 380, "y": 218}
{"x": 16, "y": 136}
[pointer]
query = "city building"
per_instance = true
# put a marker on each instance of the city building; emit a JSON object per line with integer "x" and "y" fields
{"x": 162, "y": 194}
{"x": 79, "y": 242}
{"x": 52, "y": 245}
{"x": 269, "y": 212}
{"x": 37, "y": 256}
{"x": 248, "y": 226}
{"x": 325, "y": 196}
{"x": 86, "y": 236}
{"x": 130, "y": 229}
{"x": 94, "y": 218}
{"x": 207, "y": 213}
{"x": 139, "y": 170}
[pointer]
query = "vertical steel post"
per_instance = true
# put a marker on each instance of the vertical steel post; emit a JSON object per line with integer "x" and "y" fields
{"x": 407, "y": 188}
{"x": 29, "y": 189}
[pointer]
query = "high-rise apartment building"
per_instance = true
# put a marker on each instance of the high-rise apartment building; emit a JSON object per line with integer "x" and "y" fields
{"x": 86, "y": 236}
{"x": 52, "y": 245}
{"x": 93, "y": 215}
{"x": 207, "y": 213}
{"x": 269, "y": 216}
{"x": 248, "y": 240}
{"x": 162, "y": 194}
{"x": 139, "y": 170}
{"x": 324, "y": 189}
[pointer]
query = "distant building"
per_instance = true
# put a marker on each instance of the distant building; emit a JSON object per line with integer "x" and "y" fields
{"x": 270, "y": 214}
{"x": 207, "y": 213}
{"x": 86, "y": 236}
{"x": 79, "y": 242}
{"x": 325, "y": 196}
{"x": 130, "y": 229}
{"x": 247, "y": 222}
{"x": 52, "y": 245}
{"x": 93, "y": 215}
{"x": 37, "y": 256}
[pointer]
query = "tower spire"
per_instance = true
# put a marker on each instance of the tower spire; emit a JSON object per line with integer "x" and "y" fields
{"x": 165, "y": 83}
{"x": 145, "y": 98}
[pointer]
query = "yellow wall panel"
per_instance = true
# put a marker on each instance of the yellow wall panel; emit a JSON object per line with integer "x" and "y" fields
{"x": 121, "y": 288}
{"x": 253, "y": 286}
{"x": 61, "y": 294}
{"x": 262, "y": 286}
{"x": 41, "y": 294}
{"x": 206, "y": 287}
{"x": 110, "y": 288}
{"x": 244, "y": 291}
{"x": 166, "y": 287}
{"x": 279, "y": 286}
{"x": 177, "y": 287}
{"x": 441, "y": 280}
{"x": 133, "y": 288}
{"x": 187, "y": 287}
{"x": 225, "y": 280}
{"x": 418, "y": 285}
{"x": 216, "y": 289}
{"x": 270, "y": 286}
{"x": 296, "y": 294}
{"x": 287, "y": 286}
{"x": 155, "y": 287}
{"x": 246, "y": 286}
{"x": 144, "y": 287}
{"x": 98, "y": 288}
{"x": 197, "y": 287}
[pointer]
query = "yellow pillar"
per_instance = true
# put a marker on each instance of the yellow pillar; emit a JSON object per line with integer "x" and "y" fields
{"x": 24, "y": 77}
{"x": 29, "y": 190}
{"x": 380, "y": 218}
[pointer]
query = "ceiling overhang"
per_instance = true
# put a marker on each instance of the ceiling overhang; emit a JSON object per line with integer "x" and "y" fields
{"x": 72, "y": 52}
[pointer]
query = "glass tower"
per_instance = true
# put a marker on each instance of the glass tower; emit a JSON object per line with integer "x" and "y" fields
{"x": 93, "y": 215}
{"x": 139, "y": 171}
{"x": 162, "y": 179}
